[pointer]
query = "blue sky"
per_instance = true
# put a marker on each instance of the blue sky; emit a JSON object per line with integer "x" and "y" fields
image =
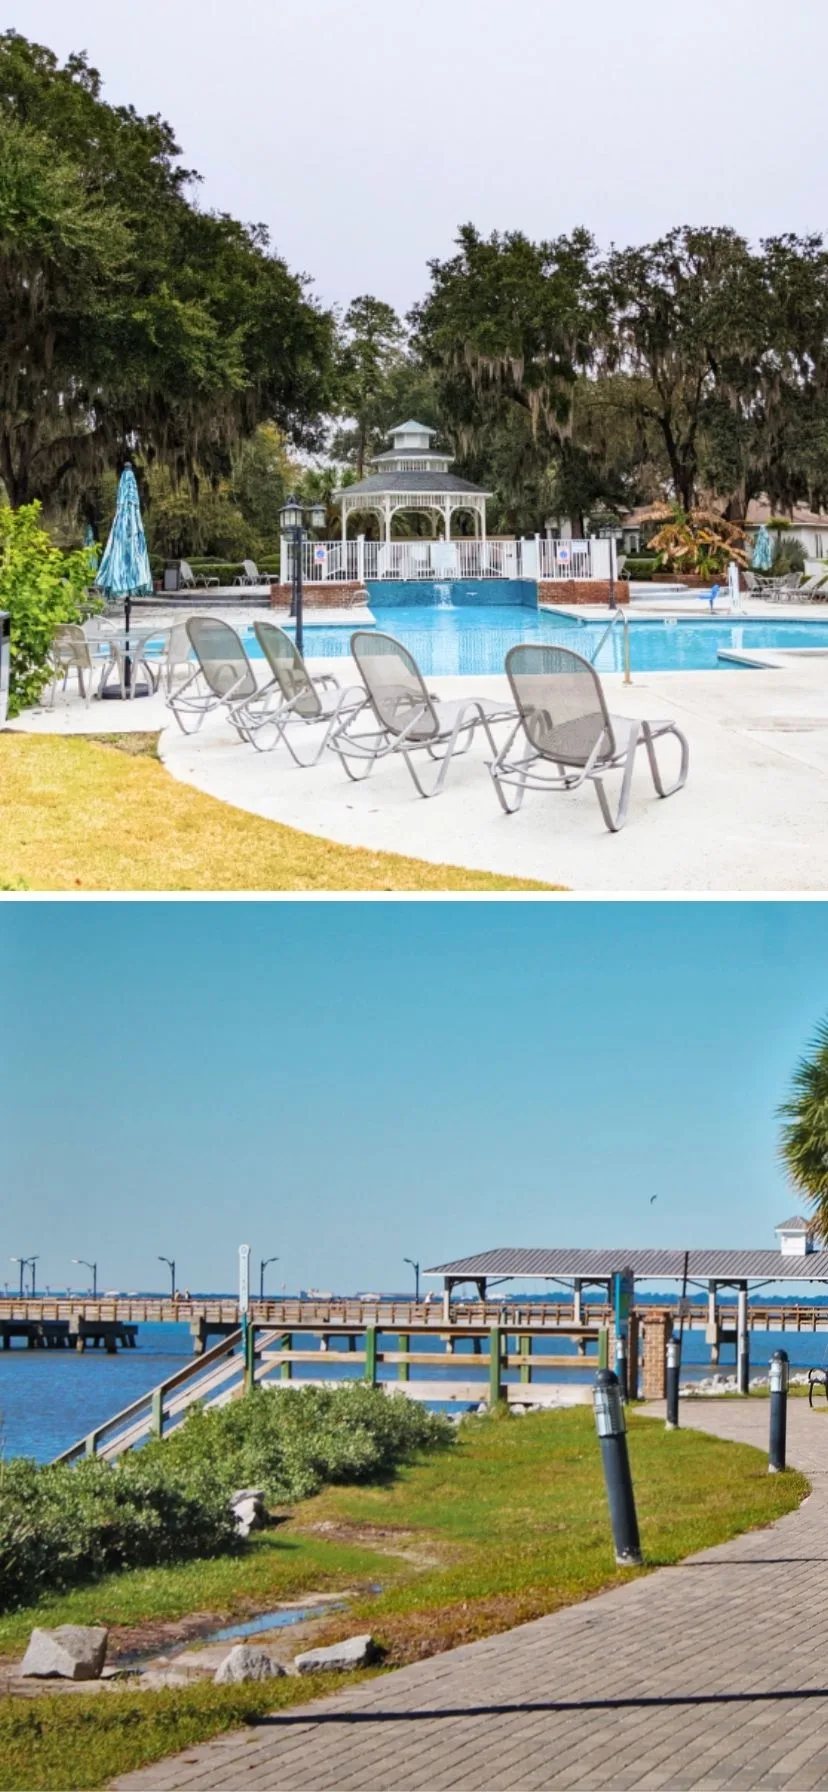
{"x": 347, "y": 1084}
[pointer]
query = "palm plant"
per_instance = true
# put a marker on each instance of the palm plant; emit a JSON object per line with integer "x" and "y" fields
{"x": 804, "y": 1140}
{"x": 698, "y": 541}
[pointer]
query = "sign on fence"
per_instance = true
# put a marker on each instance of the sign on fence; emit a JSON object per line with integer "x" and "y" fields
{"x": 563, "y": 553}
{"x": 320, "y": 554}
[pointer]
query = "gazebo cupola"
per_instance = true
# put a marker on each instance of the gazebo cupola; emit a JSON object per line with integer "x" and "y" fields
{"x": 413, "y": 475}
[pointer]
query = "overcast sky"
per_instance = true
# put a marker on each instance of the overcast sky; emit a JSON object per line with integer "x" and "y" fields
{"x": 364, "y": 131}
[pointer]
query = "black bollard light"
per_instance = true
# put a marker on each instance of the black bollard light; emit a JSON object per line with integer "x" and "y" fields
{"x": 673, "y": 1379}
{"x": 778, "y": 1382}
{"x": 611, "y": 1427}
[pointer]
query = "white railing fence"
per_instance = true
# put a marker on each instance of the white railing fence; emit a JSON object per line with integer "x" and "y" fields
{"x": 349, "y": 562}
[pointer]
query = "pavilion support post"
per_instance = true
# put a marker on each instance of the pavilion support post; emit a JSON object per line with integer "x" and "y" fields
{"x": 447, "y": 1288}
{"x": 742, "y": 1341}
{"x": 577, "y": 1301}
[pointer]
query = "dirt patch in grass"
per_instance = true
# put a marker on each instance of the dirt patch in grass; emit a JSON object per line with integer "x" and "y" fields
{"x": 82, "y": 814}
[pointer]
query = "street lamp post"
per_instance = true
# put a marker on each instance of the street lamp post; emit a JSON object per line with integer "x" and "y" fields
{"x": 170, "y": 1262}
{"x": 94, "y": 1269}
{"x": 416, "y": 1268}
{"x": 291, "y": 517}
{"x": 25, "y": 1263}
{"x": 262, "y": 1267}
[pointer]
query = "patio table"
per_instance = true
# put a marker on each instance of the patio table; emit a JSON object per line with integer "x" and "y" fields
{"x": 129, "y": 644}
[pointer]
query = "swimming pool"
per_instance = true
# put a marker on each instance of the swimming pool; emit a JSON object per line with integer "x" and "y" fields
{"x": 475, "y": 640}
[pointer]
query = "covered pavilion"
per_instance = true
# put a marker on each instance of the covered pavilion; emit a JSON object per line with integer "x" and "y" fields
{"x": 413, "y": 475}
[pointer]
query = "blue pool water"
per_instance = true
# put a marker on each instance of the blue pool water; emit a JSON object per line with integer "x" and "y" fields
{"x": 475, "y": 640}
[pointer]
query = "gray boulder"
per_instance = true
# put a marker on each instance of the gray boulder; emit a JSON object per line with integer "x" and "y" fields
{"x": 71, "y": 1652}
{"x": 246, "y": 1663}
{"x": 249, "y": 1509}
{"x": 355, "y": 1652}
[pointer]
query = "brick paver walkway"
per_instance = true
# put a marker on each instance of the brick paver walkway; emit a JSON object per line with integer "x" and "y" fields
{"x": 714, "y": 1673}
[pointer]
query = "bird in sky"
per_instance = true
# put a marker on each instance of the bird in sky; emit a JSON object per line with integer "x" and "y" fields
{"x": 653, "y": 1198}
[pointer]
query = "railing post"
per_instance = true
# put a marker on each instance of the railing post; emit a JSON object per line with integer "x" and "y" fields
{"x": 525, "y": 1350}
{"x": 286, "y": 1370}
{"x": 603, "y": 1347}
{"x": 92, "y": 1443}
{"x": 495, "y": 1366}
{"x": 157, "y": 1414}
{"x": 249, "y": 1357}
{"x": 370, "y": 1372}
{"x": 403, "y": 1369}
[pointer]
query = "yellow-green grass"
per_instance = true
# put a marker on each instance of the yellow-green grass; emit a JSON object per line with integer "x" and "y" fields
{"x": 510, "y": 1524}
{"x": 79, "y": 815}
{"x": 83, "y": 1741}
{"x": 518, "y": 1516}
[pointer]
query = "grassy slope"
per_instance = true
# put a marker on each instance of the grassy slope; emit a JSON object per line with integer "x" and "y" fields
{"x": 78, "y": 815}
{"x": 513, "y": 1524}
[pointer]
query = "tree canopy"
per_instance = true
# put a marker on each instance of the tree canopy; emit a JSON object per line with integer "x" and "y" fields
{"x": 132, "y": 321}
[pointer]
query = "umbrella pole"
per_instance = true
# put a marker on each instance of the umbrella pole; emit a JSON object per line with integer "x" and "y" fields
{"x": 127, "y": 660}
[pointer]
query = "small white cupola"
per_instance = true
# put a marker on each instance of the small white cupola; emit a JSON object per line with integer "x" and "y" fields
{"x": 796, "y": 1236}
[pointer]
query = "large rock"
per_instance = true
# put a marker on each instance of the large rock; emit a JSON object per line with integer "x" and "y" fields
{"x": 355, "y": 1652}
{"x": 72, "y": 1652}
{"x": 246, "y": 1663}
{"x": 249, "y": 1509}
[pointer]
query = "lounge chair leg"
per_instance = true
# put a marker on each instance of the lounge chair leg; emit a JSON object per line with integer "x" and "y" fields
{"x": 661, "y": 788}
{"x": 616, "y": 822}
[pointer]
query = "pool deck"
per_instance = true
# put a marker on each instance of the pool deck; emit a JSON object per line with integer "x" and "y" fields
{"x": 753, "y": 816}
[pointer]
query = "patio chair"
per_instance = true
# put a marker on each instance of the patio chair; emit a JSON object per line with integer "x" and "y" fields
{"x": 252, "y": 575}
{"x": 187, "y": 579}
{"x": 223, "y": 678}
{"x": 570, "y": 734}
{"x": 301, "y": 699}
{"x": 174, "y": 658}
{"x": 410, "y": 718}
{"x": 72, "y": 651}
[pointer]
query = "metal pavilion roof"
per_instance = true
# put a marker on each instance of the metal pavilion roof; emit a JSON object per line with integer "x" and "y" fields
{"x": 525, "y": 1264}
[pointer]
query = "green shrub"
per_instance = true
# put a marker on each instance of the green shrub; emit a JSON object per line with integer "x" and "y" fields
{"x": 40, "y": 586}
{"x": 60, "y": 1525}
{"x": 169, "y": 1502}
{"x": 788, "y": 556}
{"x": 293, "y": 1441}
{"x": 637, "y": 567}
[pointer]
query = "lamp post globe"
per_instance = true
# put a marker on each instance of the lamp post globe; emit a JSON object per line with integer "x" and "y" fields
{"x": 290, "y": 515}
{"x": 318, "y": 516}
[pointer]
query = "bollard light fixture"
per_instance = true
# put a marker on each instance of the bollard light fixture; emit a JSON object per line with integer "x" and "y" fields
{"x": 610, "y": 1418}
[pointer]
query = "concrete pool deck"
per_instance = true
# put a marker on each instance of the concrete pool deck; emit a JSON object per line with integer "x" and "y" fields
{"x": 753, "y": 816}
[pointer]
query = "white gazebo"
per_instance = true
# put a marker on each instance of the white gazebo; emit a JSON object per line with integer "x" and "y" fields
{"x": 412, "y": 475}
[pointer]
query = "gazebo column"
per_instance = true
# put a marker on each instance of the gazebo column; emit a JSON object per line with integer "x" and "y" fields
{"x": 344, "y": 524}
{"x": 386, "y": 511}
{"x": 447, "y": 518}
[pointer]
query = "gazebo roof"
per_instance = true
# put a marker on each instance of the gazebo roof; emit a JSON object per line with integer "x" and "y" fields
{"x": 378, "y": 483}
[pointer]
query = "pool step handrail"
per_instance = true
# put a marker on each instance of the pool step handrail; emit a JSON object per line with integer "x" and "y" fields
{"x": 617, "y": 616}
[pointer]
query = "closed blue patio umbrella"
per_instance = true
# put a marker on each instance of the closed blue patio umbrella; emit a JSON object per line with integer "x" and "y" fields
{"x": 124, "y": 571}
{"x": 762, "y": 551}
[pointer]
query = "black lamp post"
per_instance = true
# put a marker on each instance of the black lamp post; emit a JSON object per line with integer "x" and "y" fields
{"x": 262, "y": 1267}
{"x": 291, "y": 517}
{"x": 25, "y": 1263}
{"x": 170, "y": 1262}
{"x": 416, "y": 1268}
{"x": 94, "y": 1269}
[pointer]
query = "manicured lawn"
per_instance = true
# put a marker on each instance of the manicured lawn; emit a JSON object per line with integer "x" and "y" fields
{"x": 79, "y": 814}
{"x": 510, "y": 1524}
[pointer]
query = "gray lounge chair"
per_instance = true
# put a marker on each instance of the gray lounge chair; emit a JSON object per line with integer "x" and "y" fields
{"x": 570, "y": 734}
{"x": 303, "y": 700}
{"x": 409, "y": 718}
{"x": 188, "y": 581}
{"x": 252, "y": 575}
{"x": 223, "y": 679}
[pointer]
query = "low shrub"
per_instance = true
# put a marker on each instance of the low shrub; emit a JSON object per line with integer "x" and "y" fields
{"x": 168, "y": 1502}
{"x": 40, "y": 587}
{"x": 294, "y": 1441}
{"x": 60, "y": 1525}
